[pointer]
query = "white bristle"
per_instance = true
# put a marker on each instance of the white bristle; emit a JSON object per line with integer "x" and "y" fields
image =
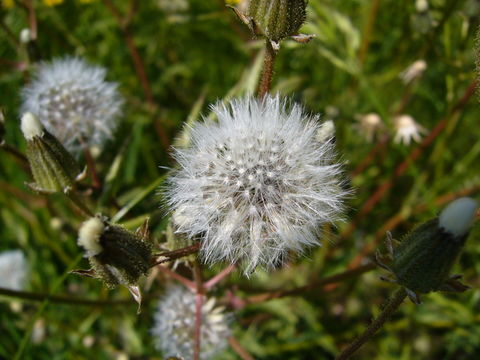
{"x": 457, "y": 218}
{"x": 31, "y": 126}
{"x": 89, "y": 236}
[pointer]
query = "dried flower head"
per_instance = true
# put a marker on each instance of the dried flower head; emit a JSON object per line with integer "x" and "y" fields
{"x": 14, "y": 270}
{"x": 117, "y": 256}
{"x": 175, "y": 325}
{"x": 74, "y": 102}
{"x": 257, "y": 184}
{"x": 414, "y": 71}
{"x": 406, "y": 129}
{"x": 369, "y": 125}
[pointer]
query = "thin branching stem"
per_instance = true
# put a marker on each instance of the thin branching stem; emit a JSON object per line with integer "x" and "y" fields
{"x": 199, "y": 298}
{"x": 186, "y": 282}
{"x": 79, "y": 203}
{"x": 387, "y": 311}
{"x": 61, "y": 299}
{"x": 239, "y": 349}
{"x": 348, "y": 274}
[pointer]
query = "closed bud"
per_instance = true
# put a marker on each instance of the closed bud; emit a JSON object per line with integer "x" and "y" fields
{"x": 117, "y": 256}
{"x": 277, "y": 19}
{"x": 423, "y": 259}
{"x": 53, "y": 168}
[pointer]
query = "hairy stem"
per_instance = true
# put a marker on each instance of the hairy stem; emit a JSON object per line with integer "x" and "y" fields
{"x": 176, "y": 254}
{"x": 268, "y": 67}
{"x": 389, "y": 309}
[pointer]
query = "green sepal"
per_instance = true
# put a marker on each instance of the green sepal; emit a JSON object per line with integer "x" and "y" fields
{"x": 277, "y": 19}
{"x": 124, "y": 258}
{"x": 423, "y": 259}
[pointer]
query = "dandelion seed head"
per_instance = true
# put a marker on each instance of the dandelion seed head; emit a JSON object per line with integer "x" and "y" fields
{"x": 369, "y": 125}
{"x": 174, "y": 325}
{"x": 74, "y": 102}
{"x": 14, "y": 269}
{"x": 257, "y": 184}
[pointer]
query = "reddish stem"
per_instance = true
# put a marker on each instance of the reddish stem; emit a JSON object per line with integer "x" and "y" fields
{"x": 244, "y": 355}
{"x": 188, "y": 283}
{"x": 219, "y": 277}
{"x": 199, "y": 298}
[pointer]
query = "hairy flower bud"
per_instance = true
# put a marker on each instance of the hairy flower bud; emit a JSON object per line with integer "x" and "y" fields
{"x": 117, "y": 256}
{"x": 53, "y": 168}
{"x": 423, "y": 259}
{"x": 277, "y": 19}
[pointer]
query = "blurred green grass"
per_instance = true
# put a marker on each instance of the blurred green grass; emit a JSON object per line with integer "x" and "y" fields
{"x": 203, "y": 54}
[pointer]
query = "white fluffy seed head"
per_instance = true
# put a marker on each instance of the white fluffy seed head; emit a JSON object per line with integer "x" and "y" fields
{"x": 457, "y": 218}
{"x": 14, "y": 270}
{"x": 89, "y": 236}
{"x": 31, "y": 126}
{"x": 174, "y": 325}
{"x": 74, "y": 102}
{"x": 257, "y": 184}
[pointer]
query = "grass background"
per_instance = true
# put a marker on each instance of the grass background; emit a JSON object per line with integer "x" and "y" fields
{"x": 194, "y": 57}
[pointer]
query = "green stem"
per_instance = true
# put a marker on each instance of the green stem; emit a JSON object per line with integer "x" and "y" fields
{"x": 389, "y": 309}
{"x": 79, "y": 203}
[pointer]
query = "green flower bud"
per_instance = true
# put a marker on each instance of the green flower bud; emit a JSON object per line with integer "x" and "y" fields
{"x": 53, "y": 168}
{"x": 277, "y": 19}
{"x": 117, "y": 256}
{"x": 424, "y": 258}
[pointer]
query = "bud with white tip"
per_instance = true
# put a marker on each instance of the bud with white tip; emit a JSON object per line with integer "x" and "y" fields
{"x": 457, "y": 218}
{"x": 423, "y": 259}
{"x": 117, "y": 256}
{"x": 53, "y": 168}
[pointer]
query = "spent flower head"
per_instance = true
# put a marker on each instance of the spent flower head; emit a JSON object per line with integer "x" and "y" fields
{"x": 257, "y": 184}
{"x": 414, "y": 71}
{"x": 406, "y": 129}
{"x": 74, "y": 102}
{"x": 174, "y": 326}
{"x": 369, "y": 125}
{"x": 14, "y": 270}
